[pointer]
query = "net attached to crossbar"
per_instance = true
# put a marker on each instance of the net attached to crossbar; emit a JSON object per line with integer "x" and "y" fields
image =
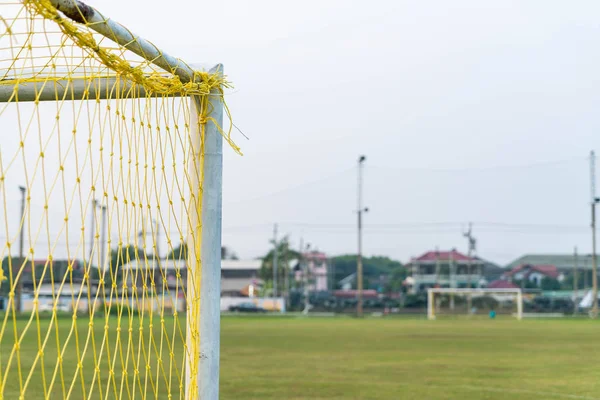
{"x": 101, "y": 171}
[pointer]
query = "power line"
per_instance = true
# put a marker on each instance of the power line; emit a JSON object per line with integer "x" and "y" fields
{"x": 484, "y": 168}
{"x": 442, "y": 225}
{"x": 414, "y": 228}
{"x": 292, "y": 187}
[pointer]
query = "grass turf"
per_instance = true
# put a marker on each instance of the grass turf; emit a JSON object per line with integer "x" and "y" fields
{"x": 409, "y": 359}
{"x": 345, "y": 358}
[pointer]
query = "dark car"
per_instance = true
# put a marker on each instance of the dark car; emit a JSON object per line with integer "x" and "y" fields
{"x": 247, "y": 307}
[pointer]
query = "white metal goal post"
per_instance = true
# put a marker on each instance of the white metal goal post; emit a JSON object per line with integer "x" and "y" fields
{"x": 431, "y": 294}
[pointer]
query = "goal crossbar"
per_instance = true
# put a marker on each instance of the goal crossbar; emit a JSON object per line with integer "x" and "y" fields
{"x": 85, "y": 14}
{"x": 479, "y": 291}
{"x": 96, "y": 88}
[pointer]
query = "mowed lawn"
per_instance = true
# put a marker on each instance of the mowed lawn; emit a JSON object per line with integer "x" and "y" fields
{"x": 332, "y": 358}
{"x": 344, "y": 358}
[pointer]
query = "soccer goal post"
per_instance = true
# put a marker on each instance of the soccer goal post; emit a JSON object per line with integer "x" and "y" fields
{"x": 502, "y": 301}
{"x": 110, "y": 209}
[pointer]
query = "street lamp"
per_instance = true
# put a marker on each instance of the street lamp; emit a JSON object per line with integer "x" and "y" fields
{"x": 306, "y": 280}
{"x": 594, "y": 312}
{"x": 19, "y": 285}
{"x": 359, "y": 265}
{"x": 594, "y": 201}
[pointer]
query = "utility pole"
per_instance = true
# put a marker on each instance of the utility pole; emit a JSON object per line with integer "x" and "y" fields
{"x": 103, "y": 240}
{"x": 585, "y": 272}
{"x": 156, "y": 239}
{"x": 19, "y": 283}
{"x": 286, "y": 269}
{"x": 331, "y": 275}
{"x": 452, "y": 278}
{"x": 333, "y": 279}
{"x": 306, "y": 284}
{"x": 437, "y": 277}
{"x": 575, "y": 289}
{"x": 594, "y": 312}
{"x": 140, "y": 251}
{"x": 275, "y": 261}
{"x": 437, "y": 266}
{"x": 359, "y": 265}
{"x": 93, "y": 229}
{"x": 471, "y": 250}
{"x": 304, "y": 269}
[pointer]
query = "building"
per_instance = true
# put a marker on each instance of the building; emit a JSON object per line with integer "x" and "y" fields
{"x": 563, "y": 262}
{"x": 450, "y": 269}
{"x": 347, "y": 282}
{"x": 47, "y": 271}
{"x": 353, "y": 294}
{"x": 317, "y": 265}
{"x": 502, "y": 284}
{"x": 142, "y": 273}
{"x": 240, "y": 277}
{"x": 66, "y": 298}
{"x": 533, "y": 273}
{"x": 491, "y": 270}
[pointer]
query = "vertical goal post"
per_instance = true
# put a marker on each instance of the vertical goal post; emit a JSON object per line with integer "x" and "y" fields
{"x": 204, "y": 206}
{"x": 431, "y": 292}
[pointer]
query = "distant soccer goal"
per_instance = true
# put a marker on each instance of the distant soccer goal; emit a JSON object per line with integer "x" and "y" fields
{"x": 490, "y": 302}
{"x": 110, "y": 210}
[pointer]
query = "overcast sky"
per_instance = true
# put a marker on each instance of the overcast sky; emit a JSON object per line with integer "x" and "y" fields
{"x": 466, "y": 111}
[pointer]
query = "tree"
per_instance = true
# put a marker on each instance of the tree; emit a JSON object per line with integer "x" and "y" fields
{"x": 284, "y": 255}
{"x": 567, "y": 283}
{"x": 125, "y": 255}
{"x": 550, "y": 283}
{"x": 228, "y": 254}
{"x": 5, "y": 283}
{"x": 373, "y": 268}
{"x": 525, "y": 284}
{"x": 396, "y": 280}
{"x": 118, "y": 257}
{"x": 180, "y": 253}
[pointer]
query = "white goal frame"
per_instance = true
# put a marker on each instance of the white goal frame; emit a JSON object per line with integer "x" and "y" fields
{"x": 432, "y": 291}
{"x": 208, "y": 306}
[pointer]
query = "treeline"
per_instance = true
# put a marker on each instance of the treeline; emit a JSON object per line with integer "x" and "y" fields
{"x": 379, "y": 272}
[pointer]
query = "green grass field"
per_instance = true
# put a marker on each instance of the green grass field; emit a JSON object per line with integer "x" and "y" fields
{"x": 374, "y": 358}
{"x": 410, "y": 359}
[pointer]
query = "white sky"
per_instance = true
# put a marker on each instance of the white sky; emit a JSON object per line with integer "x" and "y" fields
{"x": 466, "y": 111}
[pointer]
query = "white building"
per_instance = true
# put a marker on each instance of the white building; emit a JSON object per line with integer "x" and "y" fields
{"x": 317, "y": 266}
{"x": 238, "y": 277}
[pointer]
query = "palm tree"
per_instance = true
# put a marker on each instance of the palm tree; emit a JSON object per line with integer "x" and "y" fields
{"x": 285, "y": 254}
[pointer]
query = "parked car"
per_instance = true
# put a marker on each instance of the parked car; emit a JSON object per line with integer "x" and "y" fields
{"x": 247, "y": 307}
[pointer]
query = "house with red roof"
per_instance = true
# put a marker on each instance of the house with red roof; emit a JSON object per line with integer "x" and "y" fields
{"x": 449, "y": 269}
{"x": 533, "y": 273}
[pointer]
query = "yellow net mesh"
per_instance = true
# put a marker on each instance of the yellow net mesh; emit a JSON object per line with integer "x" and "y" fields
{"x": 95, "y": 203}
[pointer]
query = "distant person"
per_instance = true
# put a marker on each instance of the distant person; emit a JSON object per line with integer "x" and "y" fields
{"x": 492, "y": 314}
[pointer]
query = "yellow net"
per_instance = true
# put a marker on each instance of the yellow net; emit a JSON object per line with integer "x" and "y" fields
{"x": 100, "y": 178}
